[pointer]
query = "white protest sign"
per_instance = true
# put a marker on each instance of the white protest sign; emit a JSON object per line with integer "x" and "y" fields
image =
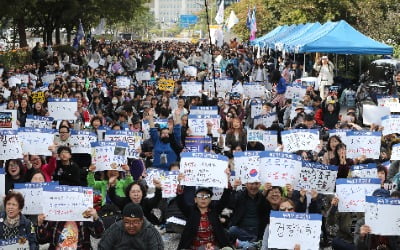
{"x": 217, "y": 193}
{"x": 34, "y": 121}
{"x": 372, "y": 114}
{"x": 24, "y": 78}
{"x": 80, "y": 141}
{"x": 8, "y": 119}
{"x": 133, "y": 139}
{"x": 66, "y": 203}
{"x": 382, "y": 215}
{"x": 300, "y": 139}
{"x": 62, "y": 109}
{"x": 293, "y": 113}
{"x": 363, "y": 143}
{"x": 169, "y": 183}
{"x": 247, "y": 166}
{"x": 143, "y": 76}
{"x": 190, "y": 70}
{"x": 13, "y": 81}
{"x": 390, "y": 124}
{"x": 123, "y": 82}
{"x": 268, "y": 138}
{"x": 14, "y": 244}
{"x": 202, "y": 169}
{"x": 102, "y": 62}
{"x": 253, "y": 90}
{"x": 352, "y": 193}
{"x": 266, "y": 119}
{"x": 237, "y": 88}
{"x": 151, "y": 174}
{"x": 204, "y": 110}
{"x": 286, "y": 229}
{"x": 48, "y": 78}
{"x": 295, "y": 92}
{"x": 5, "y": 92}
{"x": 390, "y": 102}
{"x": 364, "y": 171}
{"x": 255, "y": 108}
{"x": 2, "y": 182}
{"x": 191, "y": 88}
{"x": 395, "y": 156}
{"x": 161, "y": 123}
{"x": 339, "y": 132}
{"x": 35, "y": 141}
{"x": 10, "y": 145}
{"x": 280, "y": 168}
{"x": 32, "y": 193}
{"x": 321, "y": 177}
{"x": 198, "y": 124}
{"x": 108, "y": 155}
{"x": 93, "y": 64}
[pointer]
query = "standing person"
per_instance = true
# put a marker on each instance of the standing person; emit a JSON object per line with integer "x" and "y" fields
{"x": 324, "y": 69}
{"x": 132, "y": 232}
{"x": 280, "y": 88}
{"x": 203, "y": 227}
{"x": 37, "y": 52}
{"x": 13, "y": 224}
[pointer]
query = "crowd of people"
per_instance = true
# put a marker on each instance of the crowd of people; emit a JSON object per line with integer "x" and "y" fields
{"x": 124, "y": 214}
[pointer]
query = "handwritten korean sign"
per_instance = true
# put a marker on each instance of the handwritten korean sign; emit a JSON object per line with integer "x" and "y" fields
{"x": 32, "y": 193}
{"x": 197, "y": 143}
{"x": 280, "y": 168}
{"x": 352, "y": 193}
{"x": 202, "y": 169}
{"x": 363, "y": 143}
{"x": 66, "y": 203}
{"x": 80, "y": 141}
{"x": 287, "y": 229}
{"x": 382, "y": 215}
{"x": 390, "y": 124}
{"x": 198, "y": 124}
{"x": 10, "y": 145}
{"x": 133, "y": 139}
{"x": 364, "y": 171}
{"x": 38, "y": 96}
{"x": 34, "y": 121}
{"x": 390, "y": 102}
{"x": 166, "y": 84}
{"x": 123, "y": 82}
{"x": 169, "y": 183}
{"x": 108, "y": 155}
{"x": 266, "y": 119}
{"x": 247, "y": 166}
{"x": 253, "y": 90}
{"x": 35, "y": 141}
{"x": 191, "y": 88}
{"x": 62, "y": 109}
{"x": 268, "y": 138}
{"x": 300, "y": 139}
{"x": 317, "y": 176}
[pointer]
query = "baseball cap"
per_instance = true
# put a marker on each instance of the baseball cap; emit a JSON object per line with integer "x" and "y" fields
{"x": 204, "y": 189}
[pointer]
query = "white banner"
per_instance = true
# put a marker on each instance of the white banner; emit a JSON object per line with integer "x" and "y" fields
{"x": 382, "y": 215}
{"x": 35, "y": 141}
{"x": 300, "y": 139}
{"x": 288, "y": 229}
{"x": 201, "y": 169}
{"x": 363, "y": 143}
{"x": 352, "y": 193}
{"x": 62, "y": 109}
{"x": 10, "y": 145}
{"x": 247, "y": 166}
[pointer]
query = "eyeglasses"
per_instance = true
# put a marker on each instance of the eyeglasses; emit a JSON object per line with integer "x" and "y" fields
{"x": 203, "y": 196}
{"x": 133, "y": 223}
{"x": 286, "y": 209}
{"x": 63, "y": 132}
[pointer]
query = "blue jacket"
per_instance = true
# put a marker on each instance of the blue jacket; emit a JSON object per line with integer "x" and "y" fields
{"x": 25, "y": 229}
{"x": 281, "y": 87}
{"x": 170, "y": 149}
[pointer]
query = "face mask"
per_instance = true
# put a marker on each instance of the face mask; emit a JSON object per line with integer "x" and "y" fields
{"x": 114, "y": 101}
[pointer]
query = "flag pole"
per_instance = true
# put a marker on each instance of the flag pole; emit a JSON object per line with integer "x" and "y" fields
{"x": 211, "y": 49}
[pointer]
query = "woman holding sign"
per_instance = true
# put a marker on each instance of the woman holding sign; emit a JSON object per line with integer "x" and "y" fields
{"x": 14, "y": 225}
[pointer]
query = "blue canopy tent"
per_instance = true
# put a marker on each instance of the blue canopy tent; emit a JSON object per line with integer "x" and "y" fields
{"x": 342, "y": 38}
{"x": 307, "y": 29}
{"x": 268, "y": 42}
{"x": 269, "y": 34}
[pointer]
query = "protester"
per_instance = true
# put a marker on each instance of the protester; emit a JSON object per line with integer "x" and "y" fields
{"x": 134, "y": 231}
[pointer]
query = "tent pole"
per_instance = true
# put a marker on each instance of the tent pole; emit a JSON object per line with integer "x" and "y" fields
{"x": 304, "y": 63}
{"x": 336, "y": 65}
{"x": 359, "y": 65}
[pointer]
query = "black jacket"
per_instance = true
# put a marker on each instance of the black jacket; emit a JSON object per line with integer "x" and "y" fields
{"x": 238, "y": 204}
{"x": 192, "y": 213}
{"x": 68, "y": 174}
{"x": 147, "y": 204}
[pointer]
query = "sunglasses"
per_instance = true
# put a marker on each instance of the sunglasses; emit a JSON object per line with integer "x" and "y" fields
{"x": 203, "y": 196}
